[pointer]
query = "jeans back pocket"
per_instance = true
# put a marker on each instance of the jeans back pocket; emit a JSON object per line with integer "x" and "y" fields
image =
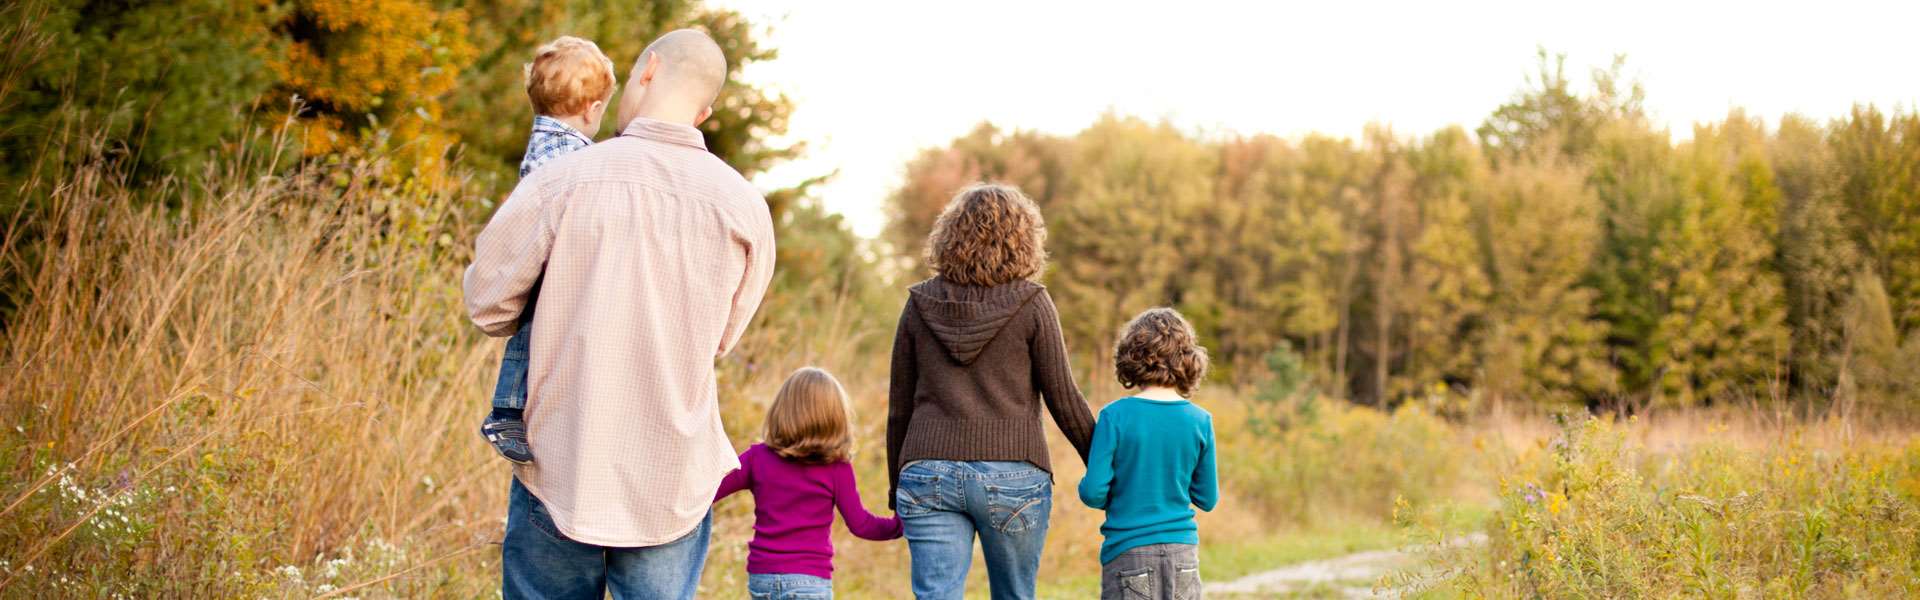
{"x": 1138, "y": 585}
{"x": 919, "y": 493}
{"x": 1186, "y": 582}
{"x": 1019, "y": 507}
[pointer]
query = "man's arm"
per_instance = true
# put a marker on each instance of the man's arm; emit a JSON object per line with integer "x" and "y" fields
{"x": 508, "y": 257}
{"x": 758, "y": 244}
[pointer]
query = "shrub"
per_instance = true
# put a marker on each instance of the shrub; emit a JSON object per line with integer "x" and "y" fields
{"x": 1335, "y": 459}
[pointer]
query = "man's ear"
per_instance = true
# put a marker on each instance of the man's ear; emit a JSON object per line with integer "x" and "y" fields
{"x": 652, "y": 68}
{"x": 704, "y": 113}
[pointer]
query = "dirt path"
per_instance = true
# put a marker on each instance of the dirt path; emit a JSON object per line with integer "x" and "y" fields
{"x": 1350, "y": 576}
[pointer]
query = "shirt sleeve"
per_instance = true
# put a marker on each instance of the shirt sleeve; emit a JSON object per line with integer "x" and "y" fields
{"x": 1206, "y": 478}
{"x": 863, "y": 524}
{"x": 902, "y": 377}
{"x": 757, "y": 242}
{"x": 508, "y": 257}
{"x": 739, "y": 479}
{"x": 1099, "y": 480}
{"x": 1055, "y": 376}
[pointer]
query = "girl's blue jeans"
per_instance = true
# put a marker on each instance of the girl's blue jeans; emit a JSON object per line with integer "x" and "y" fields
{"x": 788, "y": 586}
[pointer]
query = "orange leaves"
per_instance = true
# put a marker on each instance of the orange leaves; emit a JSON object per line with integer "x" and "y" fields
{"x": 374, "y": 71}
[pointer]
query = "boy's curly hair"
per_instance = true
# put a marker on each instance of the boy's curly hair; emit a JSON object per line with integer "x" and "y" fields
{"x": 1159, "y": 348}
{"x": 989, "y": 234}
{"x": 567, "y": 76}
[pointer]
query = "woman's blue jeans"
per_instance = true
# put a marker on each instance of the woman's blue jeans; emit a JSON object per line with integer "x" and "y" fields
{"x": 943, "y": 504}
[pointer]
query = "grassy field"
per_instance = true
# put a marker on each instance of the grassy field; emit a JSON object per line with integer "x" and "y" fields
{"x": 268, "y": 389}
{"x": 1716, "y": 506}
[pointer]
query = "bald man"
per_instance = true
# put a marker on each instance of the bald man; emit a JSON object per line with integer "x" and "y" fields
{"x": 656, "y": 255}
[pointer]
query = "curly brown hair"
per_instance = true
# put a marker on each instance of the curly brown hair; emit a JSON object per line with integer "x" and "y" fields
{"x": 807, "y": 423}
{"x": 1159, "y": 348}
{"x": 989, "y": 234}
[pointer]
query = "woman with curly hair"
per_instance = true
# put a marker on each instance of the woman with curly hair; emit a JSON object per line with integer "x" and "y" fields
{"x": 977, "y": 352}
{"x": 1153, "y": 463}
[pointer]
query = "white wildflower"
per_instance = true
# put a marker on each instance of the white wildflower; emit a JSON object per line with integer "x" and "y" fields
{"x": 333, "y": 566}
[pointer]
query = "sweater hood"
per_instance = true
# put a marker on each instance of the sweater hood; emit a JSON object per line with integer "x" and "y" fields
{"x": 966, "y": 318}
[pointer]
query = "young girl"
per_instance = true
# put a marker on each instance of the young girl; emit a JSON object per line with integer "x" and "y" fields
{"x": 1153, "y": 463}
{"x": 978, "y": 347}
{"x": 798, "y": 476}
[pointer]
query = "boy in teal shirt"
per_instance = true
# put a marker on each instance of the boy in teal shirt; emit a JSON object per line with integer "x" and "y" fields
{"x": 1152, "y": 462}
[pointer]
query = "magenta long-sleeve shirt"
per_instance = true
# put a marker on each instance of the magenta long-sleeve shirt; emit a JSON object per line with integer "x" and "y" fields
{"x": 793, "y": 508}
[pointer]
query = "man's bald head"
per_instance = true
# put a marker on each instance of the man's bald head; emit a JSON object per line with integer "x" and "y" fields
{"x": 691, "y": 66}
{"x": 676, "y": 79}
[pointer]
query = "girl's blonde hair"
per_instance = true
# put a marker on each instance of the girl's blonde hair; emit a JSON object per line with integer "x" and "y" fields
{"x": 808, "y": 422}
{"x": 989, "y": 234}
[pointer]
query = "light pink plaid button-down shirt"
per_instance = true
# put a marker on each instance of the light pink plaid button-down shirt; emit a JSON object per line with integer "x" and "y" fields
{"x": 656, "y": 255}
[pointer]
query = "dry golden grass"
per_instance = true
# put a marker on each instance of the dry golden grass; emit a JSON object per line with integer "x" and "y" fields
{"x": 263, "y": 373}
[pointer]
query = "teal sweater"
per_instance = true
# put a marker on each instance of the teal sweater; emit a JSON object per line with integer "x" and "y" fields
{"x": 1151, "y": 463}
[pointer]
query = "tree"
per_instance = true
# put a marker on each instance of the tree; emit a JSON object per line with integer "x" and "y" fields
{"x": 1036, "y": 163}
{"x": 1117, "y": 243}
{"x": 1270, "y": 244}
{"x": 1548, "y": 115}
{"x": 1447, "y": 289}
{"x": 1538, "y": 226}
{"x": 371, "y": 73}
{"x": 167, "y": 83}
{"x": 1387, "y": 227}
{"x": 1817, "y": 256}
{"x": 1878, "y": 158}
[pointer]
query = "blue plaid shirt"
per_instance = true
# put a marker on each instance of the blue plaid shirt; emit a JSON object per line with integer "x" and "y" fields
{"x": 550, "y": 139}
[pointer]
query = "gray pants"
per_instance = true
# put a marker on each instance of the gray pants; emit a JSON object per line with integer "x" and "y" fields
{"x": 1153, "y": 572}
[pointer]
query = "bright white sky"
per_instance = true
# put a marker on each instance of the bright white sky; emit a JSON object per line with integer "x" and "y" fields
{"x": 875, "y": 81}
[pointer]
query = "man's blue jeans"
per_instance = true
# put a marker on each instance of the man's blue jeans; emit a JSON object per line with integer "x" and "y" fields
{"x": 537, "y": 561}
{"x": 943, "y": 504}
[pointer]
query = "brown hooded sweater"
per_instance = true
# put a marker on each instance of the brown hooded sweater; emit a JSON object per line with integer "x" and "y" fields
{"x": 970, "y": 367}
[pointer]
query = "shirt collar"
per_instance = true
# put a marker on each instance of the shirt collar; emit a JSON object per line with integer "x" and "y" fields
{"x": 552, "y": 125}
{"x": 672, "y": 133}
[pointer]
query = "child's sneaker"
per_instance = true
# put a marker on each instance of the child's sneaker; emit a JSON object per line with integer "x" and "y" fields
{"x": 509, "y": 437}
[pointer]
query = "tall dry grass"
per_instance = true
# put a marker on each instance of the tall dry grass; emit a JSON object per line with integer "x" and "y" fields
{"x": 261, "y": 385}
